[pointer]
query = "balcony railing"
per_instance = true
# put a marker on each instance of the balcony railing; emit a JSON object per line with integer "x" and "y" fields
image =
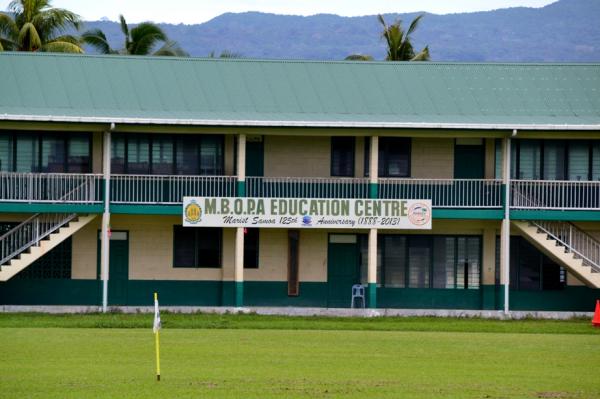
{"x": 307, "y": 187}
{"x": 560, "y": 195}
{"x": 50, "y": 187}
{"x": 163, "y": 189}
{"x": 445, "y": 193}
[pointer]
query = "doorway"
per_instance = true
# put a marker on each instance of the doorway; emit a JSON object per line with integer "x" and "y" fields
{"x": 118, "y": 272}
{"x": 343, "y": 269}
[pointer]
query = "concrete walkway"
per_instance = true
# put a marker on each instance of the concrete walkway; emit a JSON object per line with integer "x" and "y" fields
{"x": 299, "y": 311}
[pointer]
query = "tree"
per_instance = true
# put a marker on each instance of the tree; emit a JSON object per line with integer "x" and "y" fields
{"x": 399, "y": 46}
{"x": 358, "y": 57}
{"x": 34, "y": 25}
{"x": 141, "y": 40}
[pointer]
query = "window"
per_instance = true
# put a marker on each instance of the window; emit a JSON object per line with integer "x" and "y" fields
{"x": 45, "y": 153}
{"x": 394, "y": 157}
{"x": 197, "y": 246}
{"x": 293, "y": 262}
{"x": 426, "y": 261}
{"x": 167, "y": 155}
{"x": 251, "y": 241}
{"x": 530, "y": 269}
{"x": 342, "y": 156}
{"x": 576, "y": 160}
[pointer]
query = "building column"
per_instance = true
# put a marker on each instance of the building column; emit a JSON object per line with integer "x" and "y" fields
{"x": 105, "y": 238}
{"x": 373, "y": 193}
{"x": 238, "y": 274}
{"x": 241, "y": 166}
{"x": 374, "y": 167}
{"x": 372, "y": 269}
{"x": 505, "y": 229}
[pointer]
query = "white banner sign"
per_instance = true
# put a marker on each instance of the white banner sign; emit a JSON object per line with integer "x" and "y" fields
{"x": 293, "y": 213}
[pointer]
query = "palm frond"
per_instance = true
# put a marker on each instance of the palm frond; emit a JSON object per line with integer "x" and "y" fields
{"x": 171, "y": 49}
{"x": 61, "y": 47}
{"x": 145, "y": 37}
{"x": 414, "y": 25}
{"x": 29, "y": 39}
{"x": 423, "y": 55}
{"x": 97, "y": 39}
{"x": 8, "y": 27}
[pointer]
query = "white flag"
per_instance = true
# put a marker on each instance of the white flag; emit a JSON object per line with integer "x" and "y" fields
{"x": 156, "y": 325}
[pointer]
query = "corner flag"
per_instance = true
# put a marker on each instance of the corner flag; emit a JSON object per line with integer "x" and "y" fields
{"x": 156, "y": 325}
{"x": 156, "y": 329}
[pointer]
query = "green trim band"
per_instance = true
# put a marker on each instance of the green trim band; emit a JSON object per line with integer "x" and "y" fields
{"x": 486, "y": 214}
{"x": 239, "y": 294}
{"x": 372, "y": 295}
{"x": 25, "y": 207}
{"x": 567, "y": 215}
{"x": 146, "y": 209}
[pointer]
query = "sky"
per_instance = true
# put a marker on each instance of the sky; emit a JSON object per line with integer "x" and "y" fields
{"x": 198, "y": 11}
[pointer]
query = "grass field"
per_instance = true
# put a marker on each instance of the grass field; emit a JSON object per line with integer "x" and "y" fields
{"x": 249, "y": 356}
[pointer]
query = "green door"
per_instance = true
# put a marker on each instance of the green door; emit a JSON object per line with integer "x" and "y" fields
{"x": 255, "y": 158}
{"x": 342, "y": 270}
{"x": 469, "y": 161}
{"x": 118, "y": 272}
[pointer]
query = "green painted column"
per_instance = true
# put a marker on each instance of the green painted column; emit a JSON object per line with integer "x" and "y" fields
{"x": 372, "y": 250}
{"x": 238, "y": 274}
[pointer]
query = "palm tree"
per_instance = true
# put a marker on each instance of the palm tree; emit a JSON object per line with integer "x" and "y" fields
{"x": 141, "y": 40}
{"x": 34, "y": 25}
{"x": 399, "y": 47}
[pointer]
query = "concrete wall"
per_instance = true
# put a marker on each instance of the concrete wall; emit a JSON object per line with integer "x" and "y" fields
{"x": 432, "y": 158}
{"x": 297, "y": 156}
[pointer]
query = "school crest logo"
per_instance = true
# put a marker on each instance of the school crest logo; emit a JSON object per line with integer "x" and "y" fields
{"x": 419, "y": 214}
{"x": 193, "y": 213}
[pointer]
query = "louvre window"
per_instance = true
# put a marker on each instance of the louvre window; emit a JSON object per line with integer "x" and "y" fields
{"x": 394, "y": 157}
{"x": 167, "y": 155}
{"x": 427, "y": 261}
{"x": 342, "y": 156}
{"x": 45, "y": 153}
{"x": 579, "y": 160}
{"x": 197, "y": 247}
{"x": 251, "y": 241}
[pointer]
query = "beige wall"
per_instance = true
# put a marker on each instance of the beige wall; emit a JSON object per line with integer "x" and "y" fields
{"x": 287, "y": 156}
{"x": 432, "y": 158}
{"x": 97, "y": 152}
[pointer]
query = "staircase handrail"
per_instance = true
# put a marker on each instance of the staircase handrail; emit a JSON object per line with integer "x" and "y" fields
{"x": 22, "y": 236}
{"x": 592, "y": 259}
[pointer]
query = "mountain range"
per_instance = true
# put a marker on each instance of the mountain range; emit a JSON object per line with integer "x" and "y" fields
{"x": 564, "y": 31}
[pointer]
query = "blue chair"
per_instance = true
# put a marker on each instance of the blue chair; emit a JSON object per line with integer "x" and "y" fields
{"x": 358, "y": 291}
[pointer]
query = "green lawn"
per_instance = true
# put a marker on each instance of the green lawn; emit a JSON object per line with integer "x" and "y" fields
{"x": 231, "y": 356}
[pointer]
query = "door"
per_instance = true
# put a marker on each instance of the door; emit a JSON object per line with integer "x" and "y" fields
{"x": 343, "y": 269}
{"x": 118, "y": 272}
{"x": 255, "y": 156}
{"x": 469, "y": 159}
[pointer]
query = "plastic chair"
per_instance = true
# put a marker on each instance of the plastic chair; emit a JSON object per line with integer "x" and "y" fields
{"x": 358, "y": 291}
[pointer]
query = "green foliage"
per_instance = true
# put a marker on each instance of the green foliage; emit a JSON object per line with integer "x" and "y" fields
{"x": 399, "y": 45}
{"x": 117, "y": 363}
{"x": 33, "y": 25}
{"x": 359, "y": 57}
{"x": 143, "y": 39}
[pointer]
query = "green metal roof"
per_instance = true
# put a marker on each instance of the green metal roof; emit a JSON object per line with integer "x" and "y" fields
{"x": 241, "y": 92}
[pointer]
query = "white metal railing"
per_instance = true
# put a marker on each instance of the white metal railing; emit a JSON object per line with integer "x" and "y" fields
{"x": 307, "y": 187}
{"x": 446, "y": 193}
{"x": 574, "y": 240}
{"x": 548, "y": 194}
{"x": 166, "y": 189}
{"x": 30, "y": 232}
{"x": 50, "y": 187}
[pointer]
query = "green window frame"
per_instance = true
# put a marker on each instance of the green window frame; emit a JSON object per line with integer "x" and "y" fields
{"x": 342, "y": 156}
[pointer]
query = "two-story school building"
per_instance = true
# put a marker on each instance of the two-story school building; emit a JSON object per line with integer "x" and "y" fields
{"x": 97, "y": 154}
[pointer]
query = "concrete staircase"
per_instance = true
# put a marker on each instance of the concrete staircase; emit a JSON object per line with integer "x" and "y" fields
{"x": 30, "y": 240}
{"x": 566, "y": 244}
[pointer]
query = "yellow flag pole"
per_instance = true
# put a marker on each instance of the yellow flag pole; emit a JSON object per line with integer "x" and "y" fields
{"x": 157, "y": 344}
